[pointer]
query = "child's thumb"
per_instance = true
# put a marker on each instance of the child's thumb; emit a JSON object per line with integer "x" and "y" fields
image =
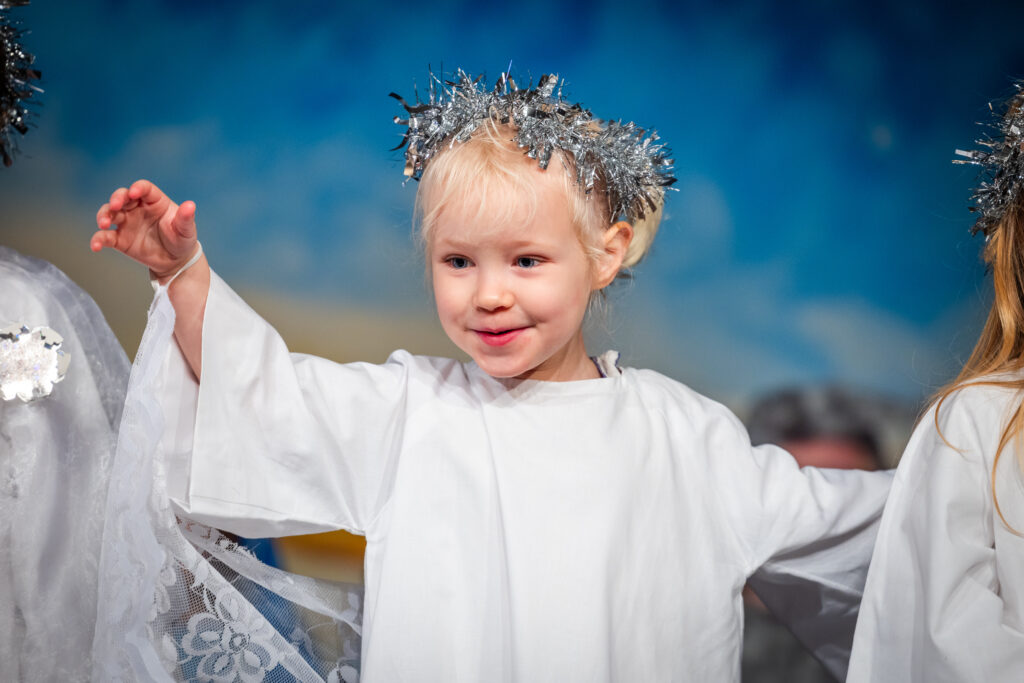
{"x": 184, "y": 221}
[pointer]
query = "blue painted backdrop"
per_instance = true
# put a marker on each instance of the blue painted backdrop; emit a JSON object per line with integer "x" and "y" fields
{"x": 819, "y": 230}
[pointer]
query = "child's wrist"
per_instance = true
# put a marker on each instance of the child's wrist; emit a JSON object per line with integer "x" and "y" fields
{"x": 165, "y": 279}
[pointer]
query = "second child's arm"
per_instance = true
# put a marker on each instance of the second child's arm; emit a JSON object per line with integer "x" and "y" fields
{"x": 144, "y": 224}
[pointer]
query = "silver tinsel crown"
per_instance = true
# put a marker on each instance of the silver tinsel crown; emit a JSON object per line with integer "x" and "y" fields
{"x": 1002, "y": 165}
{"x": 16, "y": 76}
{"x": 628, "y": 160}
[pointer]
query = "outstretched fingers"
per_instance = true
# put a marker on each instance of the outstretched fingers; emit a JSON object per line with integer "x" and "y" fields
{"x": 103, "y": 238}
{"x": 141, "y": 221}
{"x": 144, "y": 191}
{"x": 107, "y": 217}
{"x": 141, "y": 193}
{"x": 103, "y": 217}
{"x": 118, "y": 199}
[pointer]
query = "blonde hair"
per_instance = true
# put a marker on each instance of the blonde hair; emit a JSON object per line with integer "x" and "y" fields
{"x": 1000, "y": 349}
{"x": 491, "y": 164}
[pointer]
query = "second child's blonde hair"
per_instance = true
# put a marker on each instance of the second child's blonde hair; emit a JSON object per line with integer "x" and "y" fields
{"x": 490, "y": 165}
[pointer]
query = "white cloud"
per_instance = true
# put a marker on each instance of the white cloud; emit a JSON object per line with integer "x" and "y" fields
{"x": 871, "y": 347}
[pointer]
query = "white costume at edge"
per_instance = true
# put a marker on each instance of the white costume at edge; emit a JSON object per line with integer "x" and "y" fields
{"x": 56, "y": 455}
{"x": 945, "y": 597}
{"x": 98, "y": 580}
{"x": 594, "y": 530}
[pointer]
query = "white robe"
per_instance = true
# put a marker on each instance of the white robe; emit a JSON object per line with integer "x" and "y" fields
{"x": 595, "y": 530}
{"x": 55, "y": 461}
{"x": 945, "y": 596}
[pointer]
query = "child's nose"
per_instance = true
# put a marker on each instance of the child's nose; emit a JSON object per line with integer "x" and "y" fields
{"x": 492, "y": 293}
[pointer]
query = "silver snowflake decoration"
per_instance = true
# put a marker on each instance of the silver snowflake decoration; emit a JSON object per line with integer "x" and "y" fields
{"x": 31, "y": 362}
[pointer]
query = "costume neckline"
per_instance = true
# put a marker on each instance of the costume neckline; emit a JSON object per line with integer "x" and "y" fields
{"x": 607, "y": 364}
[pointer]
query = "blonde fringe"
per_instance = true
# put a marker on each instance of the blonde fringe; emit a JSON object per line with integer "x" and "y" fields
{"x": 490, "y": 165}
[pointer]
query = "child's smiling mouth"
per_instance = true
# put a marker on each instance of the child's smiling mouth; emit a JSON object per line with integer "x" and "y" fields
{"x": 499, "y": 337}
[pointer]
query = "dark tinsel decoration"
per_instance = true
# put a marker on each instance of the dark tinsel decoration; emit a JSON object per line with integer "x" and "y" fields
{"x": 1001, "y": 162}
{"x": 16, "y": 76}
{"x": 628, "y": 160}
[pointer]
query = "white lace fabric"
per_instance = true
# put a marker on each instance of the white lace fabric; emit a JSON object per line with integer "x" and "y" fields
{"x": 55, "y": 459}
{"x": 99, "y": 580}
{"x": 216, "y": 613}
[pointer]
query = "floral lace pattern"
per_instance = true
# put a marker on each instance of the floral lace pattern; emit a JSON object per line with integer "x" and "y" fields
{"x": 233, "y": 642}
{"x": 182, "y": 601}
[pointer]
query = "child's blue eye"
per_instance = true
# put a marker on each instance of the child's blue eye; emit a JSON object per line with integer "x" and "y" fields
{"x": 527, "y": 262}
{"x": 458, "y": 262}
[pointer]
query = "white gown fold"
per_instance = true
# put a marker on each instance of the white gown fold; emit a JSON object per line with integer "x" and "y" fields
{"x": 98, "y": 579}
{"x": 55, "y": 460}
{"x": 945, "y": 596}
{"x": 597, "y": 530}
{"x": 178, "y": 600}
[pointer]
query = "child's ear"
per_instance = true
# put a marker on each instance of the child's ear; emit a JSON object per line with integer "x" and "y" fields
{"x": 616, "y": 241}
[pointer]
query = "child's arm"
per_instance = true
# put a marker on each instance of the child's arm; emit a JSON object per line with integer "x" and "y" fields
{"x": 145, "y": 225}
{"x": 269, "y": 443}
{"x": 273, "y": 443}
{"x": 806, "y": 534}
{"x": 820, "y": 526}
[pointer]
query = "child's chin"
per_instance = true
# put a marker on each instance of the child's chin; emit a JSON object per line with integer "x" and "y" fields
{"x": 499, "y": 370}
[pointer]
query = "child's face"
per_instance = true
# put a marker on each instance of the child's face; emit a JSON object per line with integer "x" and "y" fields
{"x": 513, "y": 296}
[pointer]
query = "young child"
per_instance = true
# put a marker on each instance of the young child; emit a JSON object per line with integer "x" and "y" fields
{"x": 534, "y": 515}
{"x": 945, "y": 597}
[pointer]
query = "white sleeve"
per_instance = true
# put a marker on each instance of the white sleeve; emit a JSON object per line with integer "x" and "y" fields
{"x": 808, "y": 534}
{"x": 814, "y": 582}
{"x": 933, "y": 610}
{"x": 272, "y": 443}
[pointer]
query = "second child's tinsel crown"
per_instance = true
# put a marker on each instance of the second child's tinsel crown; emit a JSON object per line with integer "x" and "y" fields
{"x": 628, "y": 160}
{"x": 16, "y": 76}
{"x": 1002, "y": 165}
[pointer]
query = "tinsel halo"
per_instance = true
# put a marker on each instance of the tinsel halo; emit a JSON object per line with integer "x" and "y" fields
{"x": 628, "y": 160}
{"x": 16, "y": 76}
{"x": 1002, "y": 164}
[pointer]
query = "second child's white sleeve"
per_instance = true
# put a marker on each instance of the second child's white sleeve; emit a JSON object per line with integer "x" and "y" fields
{"x": 808, "y": 534}
{"x": 937, "y": 608}
{"x": 272, "y": 443}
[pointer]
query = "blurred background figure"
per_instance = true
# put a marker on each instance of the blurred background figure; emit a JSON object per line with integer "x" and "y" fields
{"x": 831, "y": 426}
{"x": 821, "y": 426}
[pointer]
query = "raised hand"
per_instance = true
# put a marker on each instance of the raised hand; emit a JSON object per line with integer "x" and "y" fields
{"x": 144, "y": 224}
